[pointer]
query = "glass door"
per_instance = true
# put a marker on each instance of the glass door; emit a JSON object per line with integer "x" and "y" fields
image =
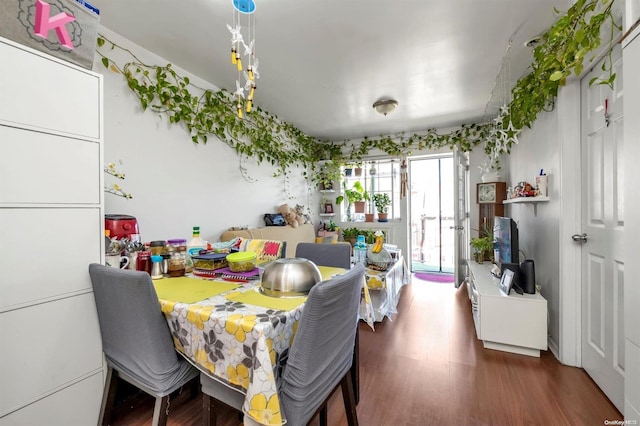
{"x": 432, "y": 243}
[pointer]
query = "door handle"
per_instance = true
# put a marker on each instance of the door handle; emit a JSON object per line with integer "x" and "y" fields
{"x": 579, "y": 238}
{"x": 457, "y": 228}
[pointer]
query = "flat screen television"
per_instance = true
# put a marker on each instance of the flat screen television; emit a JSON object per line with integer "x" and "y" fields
{"x": 505, "y": 241}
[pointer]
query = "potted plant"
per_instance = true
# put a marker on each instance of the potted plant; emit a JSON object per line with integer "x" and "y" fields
{"x": 481, "y": 246}
{"x": 329, "y": 231}
{"x": 328, "y": 174}
{"x": 367, "y": 199}
{"x": 382, "y": 201}
{"x": 355, "y": 195}
{"x": 348, "y": 170}
{"x": 350, "y": 235}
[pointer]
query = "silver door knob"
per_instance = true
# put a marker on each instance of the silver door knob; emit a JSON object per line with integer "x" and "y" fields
{"x": 457, "y": 228}
{"x": 579, "y": 238}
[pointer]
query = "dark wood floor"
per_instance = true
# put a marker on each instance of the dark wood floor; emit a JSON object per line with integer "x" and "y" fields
{"x": 427, "y": 367}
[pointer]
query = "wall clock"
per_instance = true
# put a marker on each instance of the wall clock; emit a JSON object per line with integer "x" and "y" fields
{"x": 491, "y": 192}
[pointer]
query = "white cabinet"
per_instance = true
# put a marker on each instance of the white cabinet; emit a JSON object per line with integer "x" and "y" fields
{"x": 514, "y": 323}
{"x": 51, "y": 221}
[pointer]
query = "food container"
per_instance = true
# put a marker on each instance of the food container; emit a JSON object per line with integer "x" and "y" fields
{"x": 289, "y": 277}
{"x": 242, "y": 261}
{"x": 157, "y": 248}
{"x": 176, "y": 265}
{"x": 210, "y": 261}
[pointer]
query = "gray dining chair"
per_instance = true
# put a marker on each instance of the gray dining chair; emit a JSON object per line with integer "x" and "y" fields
{"x": 136, "y": 340}
{"x": 320, "y": 357}
{"x": 336, "y": 255}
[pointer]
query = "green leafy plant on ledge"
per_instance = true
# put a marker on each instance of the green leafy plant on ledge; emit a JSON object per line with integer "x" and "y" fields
{"x": 264, "y": 137}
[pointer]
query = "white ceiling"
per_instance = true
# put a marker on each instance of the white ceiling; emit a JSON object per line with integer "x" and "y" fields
{"x": 324, "y": 63}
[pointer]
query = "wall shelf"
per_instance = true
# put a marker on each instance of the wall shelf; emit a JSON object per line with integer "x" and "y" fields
{"x": 528, "y": 200}
{"x": 327, "y": 214}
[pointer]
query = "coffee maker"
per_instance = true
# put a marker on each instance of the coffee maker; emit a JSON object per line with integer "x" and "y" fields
{"x": 122, "y": 226}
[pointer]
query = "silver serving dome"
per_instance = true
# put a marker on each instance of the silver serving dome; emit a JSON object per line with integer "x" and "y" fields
{"x": 289, "y": 277}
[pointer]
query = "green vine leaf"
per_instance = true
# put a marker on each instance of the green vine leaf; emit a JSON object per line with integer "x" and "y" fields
{"x": 266, "y": 138}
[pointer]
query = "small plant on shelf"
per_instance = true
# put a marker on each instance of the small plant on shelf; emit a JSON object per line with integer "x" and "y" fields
{"x": 482, "y": 244}
{"x": 350, "y": 235}
{"x": 382, "y": 202}
{"x": 328, "y": 174}
{"x": 331, "y": 226}
{"x": 355, "y": 194}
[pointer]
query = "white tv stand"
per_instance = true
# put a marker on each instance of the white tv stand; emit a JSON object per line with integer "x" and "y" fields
{"x": 514, "y": 323}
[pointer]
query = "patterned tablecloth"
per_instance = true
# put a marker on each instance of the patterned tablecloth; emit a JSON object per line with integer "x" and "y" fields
{"x": 237, "y": 335}
{"x": 384, "y": 288}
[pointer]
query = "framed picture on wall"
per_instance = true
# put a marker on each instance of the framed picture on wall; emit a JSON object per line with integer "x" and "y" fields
{"x": 328, "y": 208}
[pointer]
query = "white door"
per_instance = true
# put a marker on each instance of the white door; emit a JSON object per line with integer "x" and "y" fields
{"x": 603, "y": 222}
{"x": 461, "y": 216}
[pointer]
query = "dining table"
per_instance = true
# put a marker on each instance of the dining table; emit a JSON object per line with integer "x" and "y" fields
{"x": 237, "y": 335}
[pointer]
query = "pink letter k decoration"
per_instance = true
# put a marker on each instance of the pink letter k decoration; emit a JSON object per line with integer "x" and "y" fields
{"x": 44, "y": 23}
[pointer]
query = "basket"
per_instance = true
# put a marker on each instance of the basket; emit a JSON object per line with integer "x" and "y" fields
{"x": 380, "y": 261}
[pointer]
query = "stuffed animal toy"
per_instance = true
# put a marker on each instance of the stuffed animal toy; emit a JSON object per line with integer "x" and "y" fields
{"x": 302, "y": 218}
{"x": 289, "y": 215}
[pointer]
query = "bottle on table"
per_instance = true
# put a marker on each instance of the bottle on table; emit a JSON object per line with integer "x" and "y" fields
{"x": 156, "y": 267}
{"x": 360, "y": 251}
{"x": 196, "y": 244}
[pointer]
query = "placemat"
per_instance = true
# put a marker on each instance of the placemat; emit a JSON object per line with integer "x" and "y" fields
{"x": 253, "y": 297}
{"x": 190, "y": 290}
{"x": 329, "y": 271}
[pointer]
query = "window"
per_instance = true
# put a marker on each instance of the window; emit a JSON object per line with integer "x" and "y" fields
{"x": 382, "y": 176}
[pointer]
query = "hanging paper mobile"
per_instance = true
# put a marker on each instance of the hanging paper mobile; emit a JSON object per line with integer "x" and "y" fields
{"x": 243, "y": 9}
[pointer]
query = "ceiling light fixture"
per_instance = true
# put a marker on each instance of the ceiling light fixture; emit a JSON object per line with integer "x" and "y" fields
{"x": 385, "y": 106}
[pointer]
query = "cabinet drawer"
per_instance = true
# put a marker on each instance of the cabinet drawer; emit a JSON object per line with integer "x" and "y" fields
{"x": 60, "y": 170}
{"x": 59, "y": 97}
{"x": 45, "y": 347}
{"x": 78, "y": 404}
{"x": 51, "y": 264}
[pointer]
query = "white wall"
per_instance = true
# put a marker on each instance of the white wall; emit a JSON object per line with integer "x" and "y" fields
{"x": 175, "y": 183}
{"x": 538, "y": 225}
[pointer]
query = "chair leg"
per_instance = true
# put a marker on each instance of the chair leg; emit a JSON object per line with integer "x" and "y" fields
{"x": 355, "y": 366}
{"x": 108, "y": 397}
{"x": 349, "y": 400}
{"x": 195, "y": 387}
{"x": 323, "y": 414}
{"x": 208, "y": 410}
{"x": 160, "y": 411}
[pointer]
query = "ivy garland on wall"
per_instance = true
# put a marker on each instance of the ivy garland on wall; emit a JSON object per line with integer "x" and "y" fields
{"x": 264, "y": 137}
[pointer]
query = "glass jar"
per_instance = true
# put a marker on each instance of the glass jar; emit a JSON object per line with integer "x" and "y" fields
{"x": 177, "y": 266}
{"x": 175, "y": 243}
{"x": 188, "y": 262}
{"x": 143, "y": 262}
{"x": 158, "y": 248}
